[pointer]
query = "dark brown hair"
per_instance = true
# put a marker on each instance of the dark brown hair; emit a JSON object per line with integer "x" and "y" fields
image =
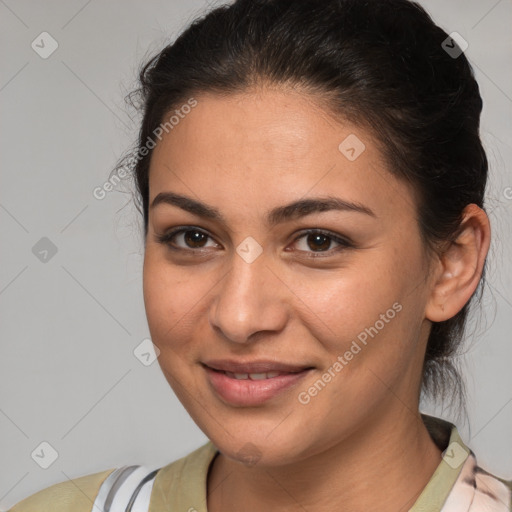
{"x": 379, "y": 63}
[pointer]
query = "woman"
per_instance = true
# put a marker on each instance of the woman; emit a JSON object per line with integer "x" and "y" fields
{"x": 312, "y": 182}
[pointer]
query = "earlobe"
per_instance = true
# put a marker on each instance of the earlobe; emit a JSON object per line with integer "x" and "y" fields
{"x": 461, "y": 266}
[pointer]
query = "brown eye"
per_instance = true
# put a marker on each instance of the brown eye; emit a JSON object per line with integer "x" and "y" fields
{"x": 185, "y": 239}
{"x": 315, "y": 241}
{"x": 194, "y": 238}
{"x": 319, "y": 241}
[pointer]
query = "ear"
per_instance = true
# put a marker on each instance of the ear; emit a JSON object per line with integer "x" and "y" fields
{"x": 460, "y": 266}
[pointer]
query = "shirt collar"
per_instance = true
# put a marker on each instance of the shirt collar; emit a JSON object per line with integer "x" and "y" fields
{"x": 455, "y": 454}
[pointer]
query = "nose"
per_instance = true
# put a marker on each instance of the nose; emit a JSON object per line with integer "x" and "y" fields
{"x": 250, "y": 299}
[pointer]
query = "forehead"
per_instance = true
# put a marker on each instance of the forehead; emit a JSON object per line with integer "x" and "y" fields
{"x": 271, "y": 146}
{"x": 270, "y": 123}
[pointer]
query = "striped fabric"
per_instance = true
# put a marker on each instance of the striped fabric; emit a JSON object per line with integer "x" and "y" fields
{"x": 127, "y": 489}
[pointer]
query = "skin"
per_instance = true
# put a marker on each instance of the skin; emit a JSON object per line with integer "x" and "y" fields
{"x": 357, "y": 443}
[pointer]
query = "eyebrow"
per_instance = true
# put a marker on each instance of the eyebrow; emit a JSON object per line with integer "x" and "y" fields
{"x": 278, "y": 215}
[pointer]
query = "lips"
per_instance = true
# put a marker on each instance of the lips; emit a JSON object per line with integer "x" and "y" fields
{"x": 246, "y": 384}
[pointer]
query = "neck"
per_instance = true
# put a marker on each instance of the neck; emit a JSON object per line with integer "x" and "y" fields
{"x": 375, "y": 468}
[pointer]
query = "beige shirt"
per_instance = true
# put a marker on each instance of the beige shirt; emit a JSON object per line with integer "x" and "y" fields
{"x": 457, "y": 485}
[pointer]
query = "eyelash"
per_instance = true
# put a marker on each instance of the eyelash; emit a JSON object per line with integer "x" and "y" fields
{"x": 166, "y": 239}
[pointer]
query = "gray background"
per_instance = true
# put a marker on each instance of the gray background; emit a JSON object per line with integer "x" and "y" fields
{"x": 69, "y": 325}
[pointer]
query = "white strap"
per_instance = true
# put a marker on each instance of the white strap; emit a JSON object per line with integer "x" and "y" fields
{"x": 126, "y": 489}
{"x": 141, "y": 503}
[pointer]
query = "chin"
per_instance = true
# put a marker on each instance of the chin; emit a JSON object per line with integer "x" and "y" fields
{"x": 255, "y": 446}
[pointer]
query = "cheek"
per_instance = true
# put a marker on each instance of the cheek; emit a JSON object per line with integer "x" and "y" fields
{"x": 171, "y": 301}
{"x": 338, "y": 306}
{"x": 168, "y": 296}
{"x": 167, "y": 293}
{"x": 369, "y": 313}
{"x": 176, "y": 302}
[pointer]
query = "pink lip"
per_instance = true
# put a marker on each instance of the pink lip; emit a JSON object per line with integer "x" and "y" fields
{"x": 252, "y": 392}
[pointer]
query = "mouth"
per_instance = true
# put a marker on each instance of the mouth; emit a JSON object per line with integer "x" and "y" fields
{"x": 253, "y": 376}
{"x": 254, "y": 367}
{"x": 250, "y": 384}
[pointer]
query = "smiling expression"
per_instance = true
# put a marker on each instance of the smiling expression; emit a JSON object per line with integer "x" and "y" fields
{"x": 266, "y": 247}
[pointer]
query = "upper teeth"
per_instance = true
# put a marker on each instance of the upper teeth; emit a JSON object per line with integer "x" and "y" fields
{"x": 252, "y": 376}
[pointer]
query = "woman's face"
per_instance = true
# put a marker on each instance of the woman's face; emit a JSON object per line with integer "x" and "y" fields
{"x": 336, "y": 316}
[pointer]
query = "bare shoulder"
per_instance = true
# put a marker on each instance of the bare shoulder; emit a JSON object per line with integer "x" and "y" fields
{"x": 75, "y": 495}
